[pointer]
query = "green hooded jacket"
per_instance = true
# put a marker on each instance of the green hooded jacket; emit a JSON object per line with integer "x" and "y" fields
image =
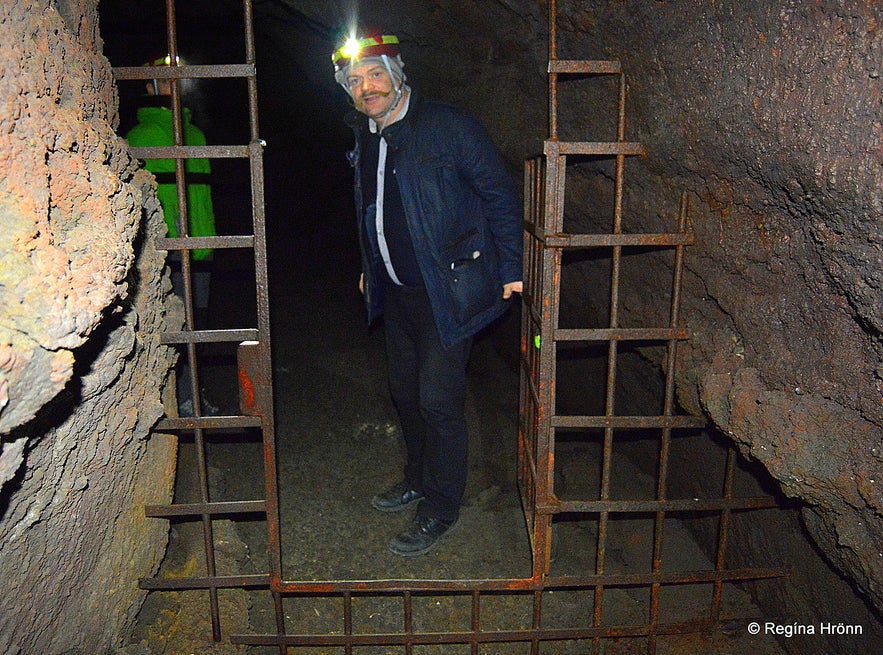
{"x": 154, "y": 128}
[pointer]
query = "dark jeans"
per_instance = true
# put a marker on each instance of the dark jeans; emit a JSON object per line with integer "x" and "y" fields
{"x": 428, "y": 388}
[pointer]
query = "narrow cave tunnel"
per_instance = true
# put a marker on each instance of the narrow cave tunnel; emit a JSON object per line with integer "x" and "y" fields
{"x": 767, "y": 116}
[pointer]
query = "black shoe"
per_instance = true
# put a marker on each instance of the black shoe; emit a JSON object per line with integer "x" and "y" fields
{"x": 396, "y": 498}
{"x": 422, "y": 535}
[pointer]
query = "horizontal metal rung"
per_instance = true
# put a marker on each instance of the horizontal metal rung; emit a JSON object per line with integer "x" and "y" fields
{"x": 215, "y": 242}
{"x": 587, "y": 66}
{"x": 190, "y": 152}
{"x": 438, "y": 638}
{"x": 199, "y": 509}
{"x": 623, "y": 334}
{"x": 210, "y": 336}
{"x": 406, "y": 584}
{"x": 565, "y": 240}
{"x": 607, "y": 148}
{"x": 215, "y": 582}
{"x": 209, "y": 422}
{"x": 628, "y": 422}
{"x": 676, "y": 505}
{"x": 665, "y": 577}
{"x": 596, "y": 240}
{"x": 190, "y": 71}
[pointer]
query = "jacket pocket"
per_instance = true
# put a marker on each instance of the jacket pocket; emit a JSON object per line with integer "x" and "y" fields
{"x": 472, "y": 285}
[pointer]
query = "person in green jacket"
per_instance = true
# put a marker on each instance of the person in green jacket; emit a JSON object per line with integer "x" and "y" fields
{"x": 154, "y": 128}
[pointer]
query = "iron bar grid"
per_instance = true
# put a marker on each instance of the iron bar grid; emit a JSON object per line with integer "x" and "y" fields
{"x": 254, "y": 372}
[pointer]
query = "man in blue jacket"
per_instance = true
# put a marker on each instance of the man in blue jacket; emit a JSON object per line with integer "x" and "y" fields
{"x": 441, "y": 242}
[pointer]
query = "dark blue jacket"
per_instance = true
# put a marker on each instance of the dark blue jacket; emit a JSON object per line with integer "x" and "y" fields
{"x": 462, "y": 211}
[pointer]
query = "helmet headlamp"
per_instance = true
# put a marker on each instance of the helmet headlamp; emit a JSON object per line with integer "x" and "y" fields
{"x": 355, "y": 48}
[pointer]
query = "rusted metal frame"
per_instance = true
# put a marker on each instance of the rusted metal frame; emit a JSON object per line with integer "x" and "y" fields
{"x": 627, "y": 422}
{"x": 183, "y": 228}
{"x": 390, "y": 586}
{"x": 215, "y": 243}
{"x": 513, "y": 586}
{"x": 526, "y": 471}
{"x": 251, "y": 60}
{"x": 348, "y": 619}
{"x": 189, "y": 152}
{"x": 647, "y": 506}
{"x": 470, "y": 637}
{"x": 254, "y": 581}
{"x": 185, "y": 71}
{"x": 609, "y": 240}
{"x": 409, "y": 640}
{"x": 669, "y": 578}
{"x": 475, "y": 618}
{"x": 552, "y": 215}
{"x": 280, "y": 620}
{"x": 585, "y": 66}
{"x": 553, "y": 77}
{"x": 534, "y": 635}
{"x": 529, "y": 447}
{"x": 568, "y": 240}
{"x": 210, "y": 336}
{"x": 621, "y": 334}
{"x": 409, "y": 623}
{"x": 612, "y": 355}
{"x": 536, "y": 622}
{"x": 180, "y": 152}
{"x": 265, "y": 406}
{"x": 209, "y": 422}
{"x": 532, "y": 332}
{"x": 667, "y": 410}
{"x": 723, "y": 532}
{"x": 214, "y": 508}
{"x": 596, "y": 148}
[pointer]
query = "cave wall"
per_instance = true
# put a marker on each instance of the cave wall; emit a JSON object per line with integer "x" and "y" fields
{"x": 82, "y": 301}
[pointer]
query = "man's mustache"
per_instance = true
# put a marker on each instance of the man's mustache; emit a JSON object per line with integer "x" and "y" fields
{"x": 373, "y": 94}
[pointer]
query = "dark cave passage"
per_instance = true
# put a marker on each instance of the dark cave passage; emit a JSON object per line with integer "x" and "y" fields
{"x": 763, "y": 117}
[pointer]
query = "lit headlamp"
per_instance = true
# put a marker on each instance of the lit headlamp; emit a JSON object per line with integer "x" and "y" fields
{"x": 359, "y": 48}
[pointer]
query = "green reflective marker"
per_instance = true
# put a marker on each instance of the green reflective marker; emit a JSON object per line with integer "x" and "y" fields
{"x": 536, "y": 341}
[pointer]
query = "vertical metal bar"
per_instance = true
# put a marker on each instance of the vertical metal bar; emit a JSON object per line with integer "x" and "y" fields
{"x": 409, "y": 624}
{"x": 536, "y": 621}
{"x": 612, "y": 357}
{"x": 476, "y": 620}
{"x": 667, "y": 410}
{"x": 280, "y": 620}
{"x": 552, "y": 211}
{"x": 183, "y": 225}
{"x": 250, "y": 58}
{"x": 527, "y": 379}
{"x": 553, "y": 77}
{"x": 274, "y": 546}
{"x": 348, "y": 620}
{"x": 723, "y": 534}
{"x": 620, "y": 160}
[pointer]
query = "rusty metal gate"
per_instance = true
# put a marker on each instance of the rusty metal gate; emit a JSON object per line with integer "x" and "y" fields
{"x": 545, "y": 431}
{"x": 252, "y": 343}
